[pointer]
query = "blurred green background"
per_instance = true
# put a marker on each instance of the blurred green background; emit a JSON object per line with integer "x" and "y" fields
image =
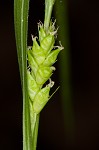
{"x": 71, "y": 119}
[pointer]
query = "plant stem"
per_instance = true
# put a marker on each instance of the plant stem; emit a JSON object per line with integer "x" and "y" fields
{"x": 35, "y": 133}
{"x": 48, "y": 11}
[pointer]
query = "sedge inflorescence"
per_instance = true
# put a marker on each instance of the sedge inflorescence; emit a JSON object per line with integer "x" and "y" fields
{"x": 41, "y": 57}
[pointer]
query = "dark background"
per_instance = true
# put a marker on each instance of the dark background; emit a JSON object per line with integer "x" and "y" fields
{"x": 84, "y": 39}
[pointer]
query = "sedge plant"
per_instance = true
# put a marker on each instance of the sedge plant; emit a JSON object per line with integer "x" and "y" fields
{"x": 36, "y": 67}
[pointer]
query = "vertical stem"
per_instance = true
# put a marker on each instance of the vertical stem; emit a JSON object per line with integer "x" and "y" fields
{"x": 48, "y": 11}
{"x": 35, "y": 133}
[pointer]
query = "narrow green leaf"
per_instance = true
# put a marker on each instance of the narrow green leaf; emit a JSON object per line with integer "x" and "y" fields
{"x": 21, "y": 26}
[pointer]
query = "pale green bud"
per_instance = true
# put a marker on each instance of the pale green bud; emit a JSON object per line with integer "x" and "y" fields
{"x": 42, "y": 33}
{"x": 38, "y": 52}
{"x": 32, "y": 62}
{"x": 43, "y": 74}
{"x": 33, "y": 88}
{"x": 47, "y": 43}
{"x": 51, "y": 58}
{"x": 42, "y": 98}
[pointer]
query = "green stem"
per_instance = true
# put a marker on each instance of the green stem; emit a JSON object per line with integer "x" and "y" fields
{"x": 35, "y": 133}
{"x": 48, "y": 11}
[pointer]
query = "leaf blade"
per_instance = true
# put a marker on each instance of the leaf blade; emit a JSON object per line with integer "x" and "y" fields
{"x": 21, "y": 8}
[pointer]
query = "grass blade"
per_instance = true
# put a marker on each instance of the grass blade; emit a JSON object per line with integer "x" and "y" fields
{"x": 21, "y": 8}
